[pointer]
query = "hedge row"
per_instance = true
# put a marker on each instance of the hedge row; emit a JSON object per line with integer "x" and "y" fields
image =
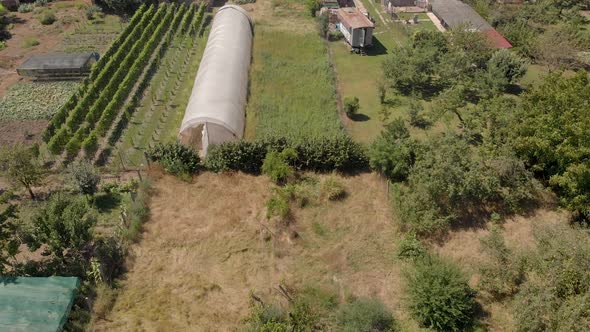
{"x": 74, "y": 111}
{"x": 321, "y": 154}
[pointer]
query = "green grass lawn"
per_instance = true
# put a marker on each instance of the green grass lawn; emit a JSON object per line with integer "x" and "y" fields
{"x": 292, "y": 91}
{"x": 359, "y": 75}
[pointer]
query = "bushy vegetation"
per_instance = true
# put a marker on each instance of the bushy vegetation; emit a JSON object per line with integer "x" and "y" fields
{"x": 439, "y": 296}
{"x": 365, "y": 315}
{"x": 393, "y": 153}
{"x": 277, "y": 165}
{"x": 84, "y": 177}
{"x": 551, "y": 136}
{"x": 175, "y": 158}
{"x": 324, "y": 154}
{"x": 47, "y": 18}
{"x": 316, "y": 309}
{"x": 351, "y": 106}
{"x": 549, "y": 32}
{"x": 549, "y": 286}
{"x": 447, "y": 179}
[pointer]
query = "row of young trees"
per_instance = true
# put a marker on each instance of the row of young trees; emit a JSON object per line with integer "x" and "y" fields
{"x": 93, "y": 115}
{"x": 99, "y": 77}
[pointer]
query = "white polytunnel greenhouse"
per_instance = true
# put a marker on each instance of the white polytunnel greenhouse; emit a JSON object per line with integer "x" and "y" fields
{"x": 216, "y": 108}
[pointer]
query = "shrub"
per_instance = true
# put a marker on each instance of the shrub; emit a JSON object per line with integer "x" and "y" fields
{"x": 410, "y": 247}
{"x": 92, "y": 10}
{"x": 351, "y": 106}
{"x": 439, "y": 296}
{"x": 40, "y": 3}
{"x": 84, "y": 177}
{"x": 331, "y": 189}
{"x": 325, "y": 154}
{"x": 30, "y": 42}
{"x": 278, "y": 206}
{"x": 48, "y": 18}
{"x": 64, "y": 226}
{"x": 176, "y": 158}
{"x": 276, "y": 165}
{"x": 25, "y": 8}
{"x": 503, "y": 276}
{"x": 365, "y": 314}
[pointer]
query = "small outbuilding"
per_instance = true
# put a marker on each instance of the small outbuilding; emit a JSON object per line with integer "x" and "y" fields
{"x": 35, "y": 304}
{"x": 58, "y": 65}
{"x": 356, "y": 27}
{"x": 216, "y": 108}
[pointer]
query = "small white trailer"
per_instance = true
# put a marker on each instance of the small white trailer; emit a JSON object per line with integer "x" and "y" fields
{"x": 356, "y": 27}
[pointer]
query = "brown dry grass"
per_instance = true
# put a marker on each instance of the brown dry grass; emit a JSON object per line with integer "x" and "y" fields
{"x": 203, "y": 252}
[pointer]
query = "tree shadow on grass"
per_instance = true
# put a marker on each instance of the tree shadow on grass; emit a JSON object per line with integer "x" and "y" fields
{"x": 107, "y": 202}
{"x": 360, "y": 117}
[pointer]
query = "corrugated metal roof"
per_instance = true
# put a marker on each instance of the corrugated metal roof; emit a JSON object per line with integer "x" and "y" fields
{"x": 497, "y": 40}
{"x": 352, "y": 17}
{"x": 453, "y": 13}
{"x": 57, "y": 61}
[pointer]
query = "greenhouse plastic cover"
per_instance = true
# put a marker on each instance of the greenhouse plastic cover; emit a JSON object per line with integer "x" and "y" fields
{"x": 36, "y": 304}
{"x": 221, "y": 85}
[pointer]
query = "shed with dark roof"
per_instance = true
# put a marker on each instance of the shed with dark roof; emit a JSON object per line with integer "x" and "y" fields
{"x": 58, "y": 65}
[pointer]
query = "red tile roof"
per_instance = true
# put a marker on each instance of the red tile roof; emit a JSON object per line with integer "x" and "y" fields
{"x": 497, "y": 40}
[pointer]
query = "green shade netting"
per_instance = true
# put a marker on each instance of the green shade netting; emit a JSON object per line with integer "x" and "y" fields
{"x": 36, "y": 304}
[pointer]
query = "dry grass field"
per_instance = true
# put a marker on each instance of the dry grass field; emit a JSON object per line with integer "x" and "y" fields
{"x": 204, "y": 251}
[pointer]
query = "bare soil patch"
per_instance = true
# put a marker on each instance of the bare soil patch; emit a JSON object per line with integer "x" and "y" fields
{"x": 27, "y": 26}
{"x": 25, "y": 131}
{"x": 204, "y": 251}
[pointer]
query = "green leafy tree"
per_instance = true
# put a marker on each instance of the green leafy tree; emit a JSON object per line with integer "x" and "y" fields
{"x": 393, "y": 152}
{"x": 64, "y": 225}
{"x": 439, "y": 296}
{"x": 410, "y": 69}
{"x": 20, "y": 166}
{"x": 551, "y": 134}
{"x": 84, "y": 177}
{"x": 428, "y": 38}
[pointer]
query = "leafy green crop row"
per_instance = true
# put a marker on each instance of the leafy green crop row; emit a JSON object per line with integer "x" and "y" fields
{"x": 34, "y": 101}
